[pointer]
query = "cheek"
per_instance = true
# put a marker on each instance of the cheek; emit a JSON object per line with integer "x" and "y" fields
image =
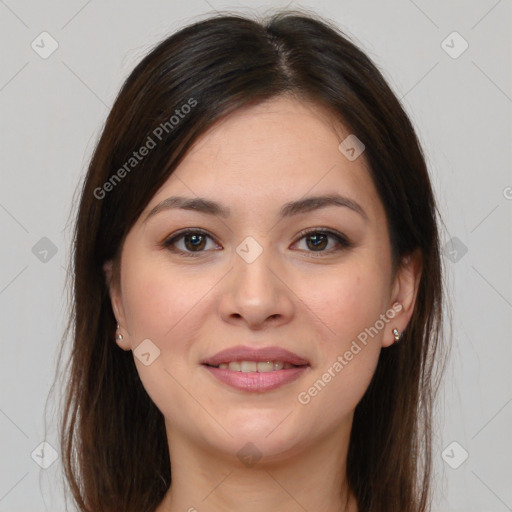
{"x": 349, "y": 304}
{"x": 346, "y": 302}
{"x": 158, "y": 302}
{"x": 163, "y": 306}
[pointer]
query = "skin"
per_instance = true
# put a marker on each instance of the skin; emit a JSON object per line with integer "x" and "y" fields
{"x": 294, "y": 296}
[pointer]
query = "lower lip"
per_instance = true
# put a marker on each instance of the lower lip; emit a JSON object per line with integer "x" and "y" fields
{"x": 256, "y": 381}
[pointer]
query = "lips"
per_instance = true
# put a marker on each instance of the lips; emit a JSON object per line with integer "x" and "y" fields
{"x": 243, "y": 353}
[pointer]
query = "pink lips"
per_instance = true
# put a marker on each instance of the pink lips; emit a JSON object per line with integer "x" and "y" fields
{"x": 241, "y": 353}
{"x": 256, "y": 381}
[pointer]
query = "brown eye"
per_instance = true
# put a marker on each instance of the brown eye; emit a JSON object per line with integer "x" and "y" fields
{"x": 317, "y": 241}
{"x": 194, "y": 241}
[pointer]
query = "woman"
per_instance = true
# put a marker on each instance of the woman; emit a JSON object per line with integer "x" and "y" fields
{"x": 257, "y": 283}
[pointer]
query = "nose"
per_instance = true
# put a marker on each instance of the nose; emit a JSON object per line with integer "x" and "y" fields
{"x": 256, "y": 293}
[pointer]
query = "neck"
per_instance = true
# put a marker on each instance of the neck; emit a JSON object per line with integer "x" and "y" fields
{"x": 305, "y": 478}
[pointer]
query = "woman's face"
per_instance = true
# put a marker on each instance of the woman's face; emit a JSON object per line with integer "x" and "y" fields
{"x": 252, "y": 277}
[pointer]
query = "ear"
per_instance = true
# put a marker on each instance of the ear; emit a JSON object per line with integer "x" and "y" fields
{"x": 403, "y": 295}
{"x": 117, "y": 305}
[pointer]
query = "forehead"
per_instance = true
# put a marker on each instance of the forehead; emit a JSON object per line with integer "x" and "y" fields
{"x": 271, "y": 153}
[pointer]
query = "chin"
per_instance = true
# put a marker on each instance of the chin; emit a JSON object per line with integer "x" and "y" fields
{"x": 269, "y": 434}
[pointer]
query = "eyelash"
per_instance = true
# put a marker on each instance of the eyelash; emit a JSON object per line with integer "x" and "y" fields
{"x": 343, "y": 242}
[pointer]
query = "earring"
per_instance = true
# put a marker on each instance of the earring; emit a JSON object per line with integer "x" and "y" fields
{"x": 119, "y": 337}
{"x": 397, "y": 335}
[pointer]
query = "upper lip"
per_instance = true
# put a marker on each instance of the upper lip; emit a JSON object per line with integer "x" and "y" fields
{"x": 243, "y": 353}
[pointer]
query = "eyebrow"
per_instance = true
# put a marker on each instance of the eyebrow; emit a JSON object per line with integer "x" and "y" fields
{"x": 209, "y": 207}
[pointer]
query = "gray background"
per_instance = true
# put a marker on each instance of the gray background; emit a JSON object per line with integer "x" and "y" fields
{"x": 52, "y": 110}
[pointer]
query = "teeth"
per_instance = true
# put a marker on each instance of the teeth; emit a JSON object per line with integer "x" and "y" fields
{"x": 267, "y": 366}
{"x": 253, "y": 366}
{"x": 248, "y": 366}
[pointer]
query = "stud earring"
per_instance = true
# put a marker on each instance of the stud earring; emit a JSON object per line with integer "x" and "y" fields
{"x": 119, "y": 337}
{"x": 397, "y": 335}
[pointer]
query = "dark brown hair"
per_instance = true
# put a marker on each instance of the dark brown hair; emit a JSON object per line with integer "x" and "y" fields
{"x": 113, "y": 438}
